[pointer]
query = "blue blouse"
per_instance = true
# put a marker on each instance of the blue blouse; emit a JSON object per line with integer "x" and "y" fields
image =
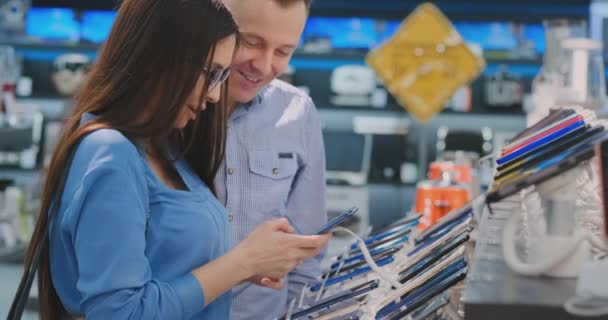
{"x": 123, "y": 243}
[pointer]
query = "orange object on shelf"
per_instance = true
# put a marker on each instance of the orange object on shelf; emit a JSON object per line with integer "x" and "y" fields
{"x": 435, "y": 199}
{"x": 462, "y": 172}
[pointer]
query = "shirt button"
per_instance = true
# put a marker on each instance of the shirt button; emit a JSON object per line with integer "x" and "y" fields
{"x": 230, "y": 217}
{"x": 230, "y": 171}
{"x": 275, "y": 171}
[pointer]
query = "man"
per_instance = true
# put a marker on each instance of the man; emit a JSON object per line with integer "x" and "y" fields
{"x": 275, "y": 160}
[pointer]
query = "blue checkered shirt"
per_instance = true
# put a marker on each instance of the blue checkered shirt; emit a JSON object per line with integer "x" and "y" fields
{"x": 274, "y": 167}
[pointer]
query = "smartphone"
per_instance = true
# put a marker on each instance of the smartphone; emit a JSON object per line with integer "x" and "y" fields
{"x": 391, "y": 241}
{"x": 337, "y": 298}
{"x": 355, "y": 273}
{"x": 546, "y": 169}
{"x": 551, "y": 149}
{"x": 552, "y": 117}
{"x": 393, "y": 233}
{"x": 430, "y": 286}
{"x": 543, "y": 133}
{"x": 430, "y": 307}
{"x": 335, "y": 222}
{"x": 449, "y": 218}
{"x": 433, "y": 257}
{"x": 601, "y": 151}
{"x": 541, "y": 142}
{"x": 577, "y": 133}
{"x": 523, "y": 165}
{"x": 415, "y": 303}
{"x": 445, "y": 227}
{"x": 410, "y": 219}
{"x": 353, "y": 264}
{"x": 357, "y": 255}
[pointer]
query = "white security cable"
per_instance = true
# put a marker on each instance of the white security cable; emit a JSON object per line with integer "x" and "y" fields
{"x": 389, "y": 278}
{"x": 512, "y": 260}
{"x": 587, "y": 306}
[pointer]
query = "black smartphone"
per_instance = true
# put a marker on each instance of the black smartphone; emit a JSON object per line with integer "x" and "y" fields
{"x": 601, "y": 150}
{"x": 337, "y": 221}
{"x": 546, "y": 169}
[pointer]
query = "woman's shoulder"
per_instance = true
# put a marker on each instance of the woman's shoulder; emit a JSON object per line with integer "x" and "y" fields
{"x": 107, "y": 147}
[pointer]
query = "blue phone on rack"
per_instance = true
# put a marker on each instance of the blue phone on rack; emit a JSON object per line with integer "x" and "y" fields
{"x": 547, "y": 169}
{"x": 388, "y": 242}
{"x": 336, "y": 299}
{"x": 352, "y": 274}
{"x": 345, "y": 267}
{"x": 448, "y": 225}
{"x": 541, "y": 142}
{"x": 395, "y": 244}
{"x": 399, "y": 230}
{"x": 453, "y": 270}
{"x": 337, "y": 221}
{"x": 436, "y": 255}
{"x": 413, "y": 304}
{"x": 535, "y": 156}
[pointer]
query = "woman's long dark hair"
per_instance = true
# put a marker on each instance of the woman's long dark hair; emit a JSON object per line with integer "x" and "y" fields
{"x": 144, "y": 74}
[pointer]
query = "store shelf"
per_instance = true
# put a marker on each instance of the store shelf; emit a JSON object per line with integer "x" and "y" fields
{"x": 494, "y": 292}
{"x": 51, "y": 46}
{"x": 20, "y": 176}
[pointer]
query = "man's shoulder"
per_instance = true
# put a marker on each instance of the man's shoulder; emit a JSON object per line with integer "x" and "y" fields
{"x": 279, "y": 89}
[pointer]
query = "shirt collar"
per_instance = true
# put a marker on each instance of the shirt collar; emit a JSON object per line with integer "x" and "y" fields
{"x": 257, "y": 99}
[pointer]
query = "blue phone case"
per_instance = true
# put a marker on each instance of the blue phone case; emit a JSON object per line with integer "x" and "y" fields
{"x": 404, "y": 228}
{"x": 436, "y": 236}
{"x": 447, "y": 226}
{"x": 540, "y": 142}
{"x": 337, "y": 221}
{"x": 548, "y": 150}
{"x": 335, "y": 299}
{"x": 373, "y": 252}
{"x": 350, "y": 275}
{"x": 413, "y": 304}
{"x": 437, "y": 255}
{"x": 452, "y": 270}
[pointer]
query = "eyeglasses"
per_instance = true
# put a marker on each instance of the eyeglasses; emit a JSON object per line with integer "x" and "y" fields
{"x": 216, "y": 76}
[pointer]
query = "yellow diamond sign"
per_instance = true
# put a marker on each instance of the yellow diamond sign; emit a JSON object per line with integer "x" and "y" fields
{"x": 425, "y": 62}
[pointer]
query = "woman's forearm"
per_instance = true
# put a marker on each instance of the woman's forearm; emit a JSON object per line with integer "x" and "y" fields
{"x": 221, "y": 274}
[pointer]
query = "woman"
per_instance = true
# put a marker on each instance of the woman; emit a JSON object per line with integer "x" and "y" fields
{"x": 139, "y": 234}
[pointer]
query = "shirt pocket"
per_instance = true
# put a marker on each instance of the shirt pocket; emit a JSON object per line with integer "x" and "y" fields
{"x": 273, "y": 173}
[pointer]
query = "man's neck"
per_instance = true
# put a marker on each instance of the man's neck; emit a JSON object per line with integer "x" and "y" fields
{"x": 231, "y": 105}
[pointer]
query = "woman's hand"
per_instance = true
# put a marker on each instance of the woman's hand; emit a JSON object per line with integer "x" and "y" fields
{"x": 271, "y": 251}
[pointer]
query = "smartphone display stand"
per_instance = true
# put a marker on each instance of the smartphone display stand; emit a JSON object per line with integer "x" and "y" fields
{"x": 560, "y": 246}
{"x": 374, "y": 300}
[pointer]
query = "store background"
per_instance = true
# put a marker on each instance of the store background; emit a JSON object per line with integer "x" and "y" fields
{"x": 384, "y": 147}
